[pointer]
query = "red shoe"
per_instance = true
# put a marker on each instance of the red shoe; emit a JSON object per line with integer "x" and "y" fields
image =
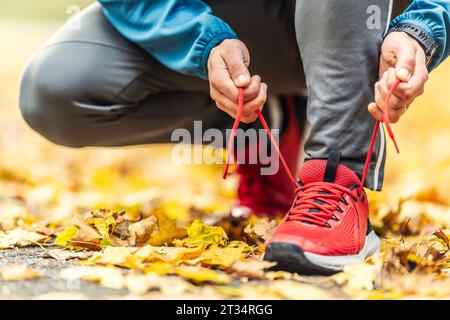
{"x": 327, "y": 227}
{"x": 272, "y": 195}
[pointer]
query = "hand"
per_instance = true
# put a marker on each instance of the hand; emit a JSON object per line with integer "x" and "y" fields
{"x": 401, "y": 57}
{"x": 228, "y": 70}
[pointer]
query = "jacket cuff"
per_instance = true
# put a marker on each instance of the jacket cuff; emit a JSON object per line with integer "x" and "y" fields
{"x": 434, "y": 30}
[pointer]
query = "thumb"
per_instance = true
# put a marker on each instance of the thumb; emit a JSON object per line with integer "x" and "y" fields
{"x": 406, "y": 60}
{"x": 237, "y": 62}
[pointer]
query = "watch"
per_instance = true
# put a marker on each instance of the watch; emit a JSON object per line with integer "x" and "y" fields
{"x": 429, "y": 45}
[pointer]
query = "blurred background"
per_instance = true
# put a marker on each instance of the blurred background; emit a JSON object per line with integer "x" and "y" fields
{"x": 38, "y": 176}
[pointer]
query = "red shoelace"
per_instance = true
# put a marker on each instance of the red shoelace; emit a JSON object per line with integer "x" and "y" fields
{"x": 316, "y": 202}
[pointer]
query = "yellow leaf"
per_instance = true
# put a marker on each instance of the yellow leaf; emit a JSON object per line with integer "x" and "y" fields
{"x": 202, "y": 236}
{"x": 200, "y": 275}
{"x": 64, "y": 237}
{"x": 113, "y": 255}
{"x": 220, "y": 257}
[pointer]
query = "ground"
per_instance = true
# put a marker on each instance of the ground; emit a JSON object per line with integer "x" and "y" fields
{"x": 44, "y": 187}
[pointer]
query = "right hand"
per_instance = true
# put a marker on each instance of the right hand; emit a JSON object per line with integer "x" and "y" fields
{"x": 228, "y": 70}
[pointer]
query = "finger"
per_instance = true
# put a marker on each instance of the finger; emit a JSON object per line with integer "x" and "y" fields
{"x": 237, "y": 62}
{"x": 375, "y": 111}
{"x": 416, "y": 85}
{"x": 249, "y": 118}
{"x": 395, "y": 101}
{"x": 218, "y": 97}
{"x": 225, "y": 109}
{"x": 221, "y": 81}
{"x": 406, "y": 59}
{"x": 394, "y": 115}
{"x": 257, "y": 103}
{"x": 381, "y": 90}
{"x": 252, "y": 91}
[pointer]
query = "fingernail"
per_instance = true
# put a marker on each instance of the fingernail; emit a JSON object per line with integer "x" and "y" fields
{"x": 241, "y": 80}
{"x": 403, "y": 74}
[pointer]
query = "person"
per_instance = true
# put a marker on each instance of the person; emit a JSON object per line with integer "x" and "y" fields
{"x": 132, "y": 72}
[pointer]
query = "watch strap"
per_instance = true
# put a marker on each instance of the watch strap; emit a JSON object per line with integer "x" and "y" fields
{"x": 427, "y": 42}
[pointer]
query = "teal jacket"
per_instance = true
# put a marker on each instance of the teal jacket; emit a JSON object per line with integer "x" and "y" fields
{"x": 180, "y": 33}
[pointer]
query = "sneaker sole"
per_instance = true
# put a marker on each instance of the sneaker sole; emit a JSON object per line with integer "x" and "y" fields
{"x": 292, "y": 258}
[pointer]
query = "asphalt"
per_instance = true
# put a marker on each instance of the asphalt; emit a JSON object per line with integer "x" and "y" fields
{"x": 49, "y": 284}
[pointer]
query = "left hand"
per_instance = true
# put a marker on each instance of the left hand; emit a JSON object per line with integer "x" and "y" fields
{"x": 401, "y": 57}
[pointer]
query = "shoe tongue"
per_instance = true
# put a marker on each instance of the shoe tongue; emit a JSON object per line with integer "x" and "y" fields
{"x": 328, "y": 171}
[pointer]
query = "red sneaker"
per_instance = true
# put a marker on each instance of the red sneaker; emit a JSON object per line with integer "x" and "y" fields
{"x": 272, "y": 195}
{"x": 327, "y": 227}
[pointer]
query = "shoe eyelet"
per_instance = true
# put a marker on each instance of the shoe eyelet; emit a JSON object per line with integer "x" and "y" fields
{"x": 340, "y": 210}
{"x": 344, "y": 201}
{"x": 327, "y": 225}
{"x": 335, "y": 218}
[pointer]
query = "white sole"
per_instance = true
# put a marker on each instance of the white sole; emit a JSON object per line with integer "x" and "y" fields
{"x": 338, "y": 263}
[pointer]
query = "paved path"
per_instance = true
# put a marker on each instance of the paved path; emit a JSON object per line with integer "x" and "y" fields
{"x": 50, "y": 282}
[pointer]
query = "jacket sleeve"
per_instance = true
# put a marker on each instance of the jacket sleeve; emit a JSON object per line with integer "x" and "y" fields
{"x": 178, "y": 33}
{"x": 433, "y": 17}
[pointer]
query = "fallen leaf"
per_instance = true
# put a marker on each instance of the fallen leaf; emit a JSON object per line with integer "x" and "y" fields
{"x": 63, "y": 255}
{"x": 439, "y": 234}
{"x": 201, "y": 275}
{"x": 259, "y": 229}
{"x": 202, "y": 236}
{"x": 65, "y": 236}
{"x": 140, "y": 232}
{"x": 106, "y": 276}
{"x": 16, "y": 272}
{"x": 21, "y": 238}
{"x": 251, "y": 268}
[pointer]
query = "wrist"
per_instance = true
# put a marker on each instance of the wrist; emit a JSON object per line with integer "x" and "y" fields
{"x": 420, "y": 36}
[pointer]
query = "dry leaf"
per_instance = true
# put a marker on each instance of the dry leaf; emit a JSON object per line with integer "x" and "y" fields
{"x": 260, "y": 229}
{"x": 15, "y": 272}
{"x": 106, "y": 276}
{"x": 64, "y": 255}
{"x": 251, "y": 268}
{"x": 202, "y": 236}
{"x": 140, "y": 232}
{"x": 21, "y": 238}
